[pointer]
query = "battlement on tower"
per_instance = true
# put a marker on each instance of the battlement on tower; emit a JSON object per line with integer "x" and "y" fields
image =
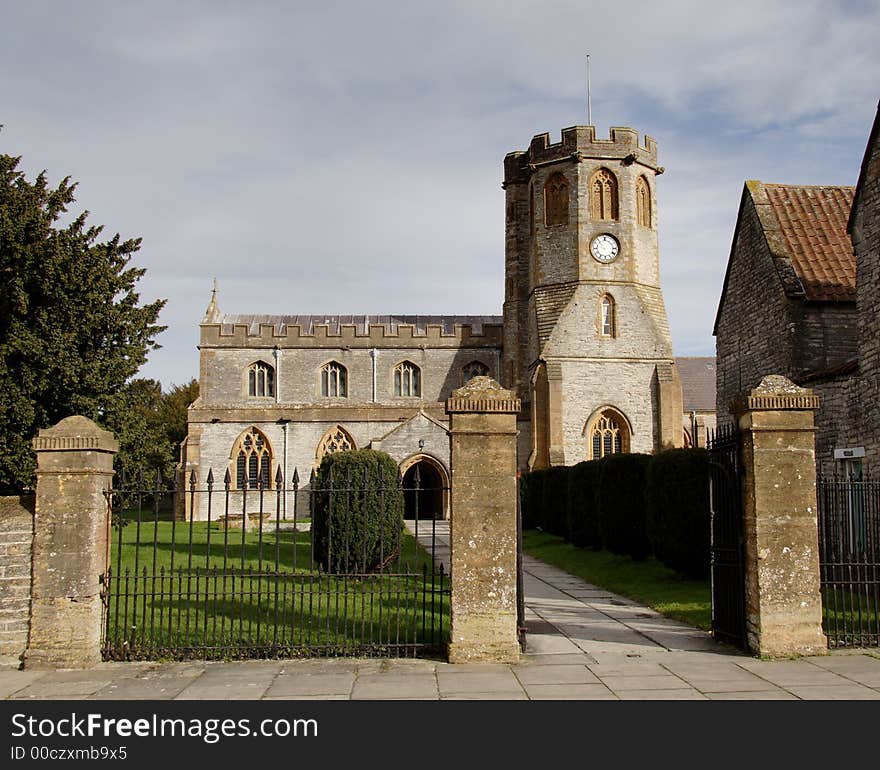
{"x": 580, "y": 143}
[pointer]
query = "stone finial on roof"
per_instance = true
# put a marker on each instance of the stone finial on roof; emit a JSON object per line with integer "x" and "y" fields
{"x": 212, "y": 313}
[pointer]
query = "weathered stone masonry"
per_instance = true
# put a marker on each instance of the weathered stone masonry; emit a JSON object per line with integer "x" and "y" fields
{"x": 16, "y": 543}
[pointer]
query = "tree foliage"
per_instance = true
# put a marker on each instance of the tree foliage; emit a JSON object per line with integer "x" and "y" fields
{"x": 72, "y": 331}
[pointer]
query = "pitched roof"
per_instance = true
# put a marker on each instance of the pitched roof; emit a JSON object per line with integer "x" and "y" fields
{"x": 812, "y": 221}
{"x": 697, "y": 383}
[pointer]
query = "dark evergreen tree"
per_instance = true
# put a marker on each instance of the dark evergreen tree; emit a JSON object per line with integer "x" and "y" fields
{"x": 72, "y": 331}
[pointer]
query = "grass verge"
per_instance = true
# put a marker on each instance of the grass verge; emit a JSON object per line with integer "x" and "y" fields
{"x": 648, "y": 582}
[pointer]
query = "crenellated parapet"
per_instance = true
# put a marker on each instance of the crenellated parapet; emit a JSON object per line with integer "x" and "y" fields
{"x": 353, "y": 332}
{"x": 580, "y": 143}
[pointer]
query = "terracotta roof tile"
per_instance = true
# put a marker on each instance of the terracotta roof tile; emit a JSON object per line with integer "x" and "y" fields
{"x": 813, "y": 223}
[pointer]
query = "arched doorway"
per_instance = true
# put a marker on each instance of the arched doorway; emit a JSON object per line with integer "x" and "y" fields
{"x": 430, "y": 492}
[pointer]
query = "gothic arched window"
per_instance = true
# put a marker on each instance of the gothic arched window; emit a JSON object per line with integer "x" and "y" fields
{"x": 603, "y": 195}
{"x": 407, "y": 380}
{"x": 607, "y": 316}
{"x": 334, "y": 380}
{"x": 337, "y": 439}
{"x": 643, "y": 202}
{"x": 253, "y": 460}
{"x": 474, "y": 369}
{"x": 556, "y": 200}
{"x": 608, "y": 434}
{"x": 261, "y": 379}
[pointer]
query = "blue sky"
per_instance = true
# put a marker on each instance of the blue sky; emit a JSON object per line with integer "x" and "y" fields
{"x": 343, "y": 157}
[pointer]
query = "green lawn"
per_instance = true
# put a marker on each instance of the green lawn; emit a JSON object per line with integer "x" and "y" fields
{"x": 224, "y": 596}
{"x": 648, "y": 582}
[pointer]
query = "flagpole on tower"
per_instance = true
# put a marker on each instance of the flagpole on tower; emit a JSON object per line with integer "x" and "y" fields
{"x": 589, "y": 102}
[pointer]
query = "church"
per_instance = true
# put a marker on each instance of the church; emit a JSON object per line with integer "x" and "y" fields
{"x": 583, "y": 341}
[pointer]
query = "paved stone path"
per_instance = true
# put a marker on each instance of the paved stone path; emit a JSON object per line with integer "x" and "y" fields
{"x": 583, "y": 643}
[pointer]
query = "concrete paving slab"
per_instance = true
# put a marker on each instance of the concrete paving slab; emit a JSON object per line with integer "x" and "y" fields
{"x": 558, "y": 674}
{"x": 849, "y": 691}
{"x": 862, "y": 668}
{"x": 784, "y": 673}
{"x": 476, "y": 682}
{"x": 562, "y": 659}
{"x": 751, "y": 695}
{"x": 620, "y": 684}
{"x": 390, "y": 687}
{"x": 689, "y": 694}
{"x": 340, "y": 683}
{"x": 571, "y": 691}
{"x": 140, "y": 689}
{"x": 493, "y": 695}
{"x": 12, "y": 680}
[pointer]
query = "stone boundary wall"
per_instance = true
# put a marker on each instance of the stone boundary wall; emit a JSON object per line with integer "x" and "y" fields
{"x": 16, "y": 547}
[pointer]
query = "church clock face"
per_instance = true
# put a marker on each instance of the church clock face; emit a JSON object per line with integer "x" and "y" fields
{"x": 604, "y": 248}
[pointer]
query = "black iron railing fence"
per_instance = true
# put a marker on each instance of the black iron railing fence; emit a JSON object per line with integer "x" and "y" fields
{"x": 237, "y": 577}
{"x": 849, "y": 560}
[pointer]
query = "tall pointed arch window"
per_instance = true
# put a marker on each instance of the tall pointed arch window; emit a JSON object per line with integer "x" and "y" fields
{"x": 556, "y": 200}
{"x": 603, "y": 196}
{"x": 334, "y": 380}
{"x": 607, "y": 435}
{"x": 253, "y": 460}
{"x": 337, "y": 439}
{"x": 643, "y": 202}
{"x": 407, "y": 380}
{"x": 261, "y": 379}
{"x": 607, "y": 316}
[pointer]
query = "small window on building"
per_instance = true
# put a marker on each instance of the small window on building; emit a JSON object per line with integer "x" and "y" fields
{"x": 407, "y": 380}
{"x": 253, "y": 460}
{"x": 608, "y": 435}
{"x": 607, "y": 320}
{"x": 334, "y": 380}
{"x": 556, "y": 200}
{"x": 261, "y": 380}
{"x": 603, "y": 196}
{"x": 474, "y": 369}
{"x": 643, "y": 202}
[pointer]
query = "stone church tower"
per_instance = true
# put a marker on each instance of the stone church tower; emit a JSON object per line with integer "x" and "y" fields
{"x": 586, "y": 338}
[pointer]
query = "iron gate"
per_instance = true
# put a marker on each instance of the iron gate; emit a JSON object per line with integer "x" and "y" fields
{"x": 849, "y": 561}
{"x": 726, "y": 537}
{"x": 229, "y": 571}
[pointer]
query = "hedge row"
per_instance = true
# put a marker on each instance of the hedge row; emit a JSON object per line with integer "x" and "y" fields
{"x": 630, "y": 504}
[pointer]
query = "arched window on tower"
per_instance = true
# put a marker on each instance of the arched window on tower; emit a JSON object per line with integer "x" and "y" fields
{"x": 253, "y": 460}
{"x": 607, "y": 316}
{"x": 603, "y": 195}
{"x": 607, "y": 434}
{"x": 334, "y": 380}
{"x": 261, "y": 379}
{"x": 474, "y": 369}
{"x": 643, "y": 202}
{"x": 556, "y": 200}
{"x": 407, "y": 380}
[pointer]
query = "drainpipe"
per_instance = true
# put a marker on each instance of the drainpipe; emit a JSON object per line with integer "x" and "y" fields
{"x": 695, "y": 439}
{"x": 284, "y": 424}
{"x": 373, "y": 352}
{"x": 276, "y": 353}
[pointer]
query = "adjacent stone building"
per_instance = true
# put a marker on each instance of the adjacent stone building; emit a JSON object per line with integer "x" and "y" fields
{"x": 801, "y": 297}
{"x": 583, "y": 341}
{"x": 864, "y": 229}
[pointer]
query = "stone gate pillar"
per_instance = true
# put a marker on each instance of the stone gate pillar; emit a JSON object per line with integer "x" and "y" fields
{"x": 483, "y": 525}
{"x": 783, "y": 602}
{"x": 71, "y": 543}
